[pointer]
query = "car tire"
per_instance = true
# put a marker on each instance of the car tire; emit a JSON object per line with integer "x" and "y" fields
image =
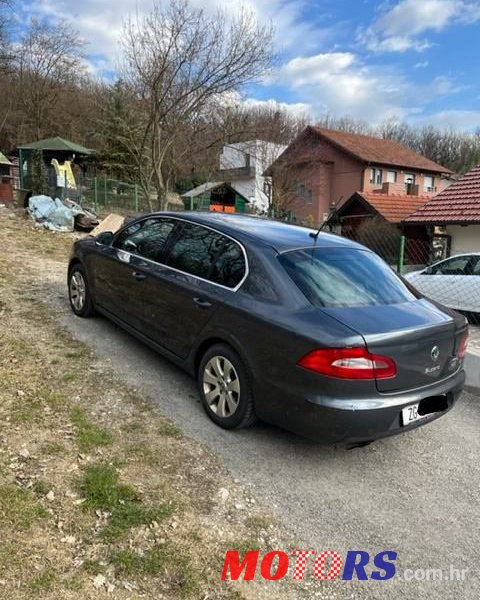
{"x": 225, "y": 388}
{"x": 79, "y": 294}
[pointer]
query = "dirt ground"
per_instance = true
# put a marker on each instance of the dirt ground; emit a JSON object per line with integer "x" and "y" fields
{"x": 100, "y": 496}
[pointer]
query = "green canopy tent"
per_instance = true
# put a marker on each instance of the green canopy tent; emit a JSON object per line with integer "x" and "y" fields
{"x": 5, "y": 166}
{"x": 4, "y": 160}
{"x": 55, "y": 147}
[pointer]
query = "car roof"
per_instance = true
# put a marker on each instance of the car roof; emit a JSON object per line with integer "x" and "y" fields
{"x": 279, "y": 235}
{"x": 462, "y": 255}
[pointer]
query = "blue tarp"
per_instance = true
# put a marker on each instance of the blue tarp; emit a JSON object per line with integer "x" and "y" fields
{"x": 53, "y": 214}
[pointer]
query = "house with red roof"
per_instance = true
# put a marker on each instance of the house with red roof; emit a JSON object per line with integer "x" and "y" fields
{"x": 361, "y": 175}
{"x": 455, "y": 212}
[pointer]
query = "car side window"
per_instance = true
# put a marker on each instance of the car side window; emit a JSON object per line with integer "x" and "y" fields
{"x": 207, "y": 254}
{"x": 229, "y": 267}
{"x": 454, "y": 266}
{"x": 476, "y": 267}
{"x": 146, "y": 238}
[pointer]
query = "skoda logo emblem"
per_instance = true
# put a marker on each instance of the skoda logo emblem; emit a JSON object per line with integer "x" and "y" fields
{"x": 435, "y": 353}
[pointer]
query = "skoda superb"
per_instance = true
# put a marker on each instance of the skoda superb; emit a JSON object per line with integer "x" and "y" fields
{"x": 314, "y": 333}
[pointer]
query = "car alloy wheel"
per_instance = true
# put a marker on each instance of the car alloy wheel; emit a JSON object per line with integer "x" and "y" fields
{"x": 225, "y": 387}
{"x": 221, "y": 386}
{"x": 77, "y": 291}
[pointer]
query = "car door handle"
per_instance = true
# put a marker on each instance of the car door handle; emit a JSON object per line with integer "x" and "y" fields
{"x": 139, "y": 276}
{"x": 202, "y": 303}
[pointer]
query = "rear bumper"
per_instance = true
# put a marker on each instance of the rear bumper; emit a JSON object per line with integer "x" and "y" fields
{"x": 337, "y": 420}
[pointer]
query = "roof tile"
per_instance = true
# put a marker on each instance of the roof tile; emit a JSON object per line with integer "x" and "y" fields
{"x": 459, "y": 203}
{"x": 393, "y": 207}
{"x": 378, "y": 150}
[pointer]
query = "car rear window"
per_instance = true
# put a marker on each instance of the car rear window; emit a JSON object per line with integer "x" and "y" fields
{"x": 344, "y": 277}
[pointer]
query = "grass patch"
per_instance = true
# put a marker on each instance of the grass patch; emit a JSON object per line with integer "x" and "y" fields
{"x": 79, "y": 353}
{"x": 101, "y": 488}
{"x": 41, "y": 488}
{"x": 89, "y": 436}
{"x": 143, "y": 452}
{"x": 43, "y": 582}
{"x": 55, "y": 400}
{"x": 259, "y": 522}
{"x": 243, "y": 546}
{"x": 158, "y": 561}
{"x": 134, "y": 427}
{"x": 169, "y": 430}
{"x": 27, "y": 411}
{"x": 69, "y": 377}
{"x": 132, "y": 514}
{"x": 152, "y": 562}
{"x": 8, "y": 556}
{"x": 93, "y": 567}
{"x": 52, "y": 448}
{"x": 19, "y": 508}
{"x": 53, "y": 548}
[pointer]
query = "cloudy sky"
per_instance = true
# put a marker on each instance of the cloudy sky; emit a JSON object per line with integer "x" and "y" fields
{"x": 413, "y": 59}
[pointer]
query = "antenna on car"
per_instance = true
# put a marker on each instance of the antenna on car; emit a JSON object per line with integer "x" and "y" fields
{"x": 333, "y": 210}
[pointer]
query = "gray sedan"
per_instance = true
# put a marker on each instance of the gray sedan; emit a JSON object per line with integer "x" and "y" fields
{"x": 314, "y": 333}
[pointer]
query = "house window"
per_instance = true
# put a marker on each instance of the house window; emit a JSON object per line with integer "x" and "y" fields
{"x": 267, "y": 189}
{"x": 428, "y": 183}
{"x": 409, "y": 177}
{"x": 391, "y": 176}
{"x": 376, "y": 176}
{"x": 304, "y": 192}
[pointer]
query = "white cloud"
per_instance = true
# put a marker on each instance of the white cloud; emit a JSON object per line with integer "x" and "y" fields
{"x": 444, "y": 86}
{"x": 100, "y": 22}
{"x": 340, "y": 84}
{"x": 464, "y": 120}
{"x": 401, "y": 28}
{"x": 299, "y": 109}
{"x": 234, "y": 98}
{"x": 336, "y": 82}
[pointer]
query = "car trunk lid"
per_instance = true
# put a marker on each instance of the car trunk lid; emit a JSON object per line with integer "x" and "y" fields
{"x": 418, "y": 336}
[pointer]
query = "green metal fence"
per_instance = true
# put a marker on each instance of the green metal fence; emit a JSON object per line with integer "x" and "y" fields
{"x": 101, "y": 193}
{"x": 105, "y": 194}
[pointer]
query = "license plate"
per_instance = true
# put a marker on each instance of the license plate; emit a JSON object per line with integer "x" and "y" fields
{"x": 410, "y": 415}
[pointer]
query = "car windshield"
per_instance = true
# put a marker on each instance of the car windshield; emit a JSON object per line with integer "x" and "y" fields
{"x": 344, "y": 277}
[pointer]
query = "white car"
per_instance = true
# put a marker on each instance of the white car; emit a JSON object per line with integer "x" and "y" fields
{"x": 454, "y": 282}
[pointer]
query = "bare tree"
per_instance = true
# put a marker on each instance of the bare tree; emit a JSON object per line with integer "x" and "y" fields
{"x": 180, "y": 62}
{"x": 346, "y": 123}
{"x": 4, "y": 38}
{"x": 47, "y": 60}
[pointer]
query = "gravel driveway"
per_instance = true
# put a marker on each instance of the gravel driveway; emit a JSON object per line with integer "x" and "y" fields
{"x": 416, "y": 494}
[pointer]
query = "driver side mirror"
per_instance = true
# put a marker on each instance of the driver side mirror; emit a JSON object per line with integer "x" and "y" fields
{"x": 105, "y": 238}
{"x": 428, "y": 271}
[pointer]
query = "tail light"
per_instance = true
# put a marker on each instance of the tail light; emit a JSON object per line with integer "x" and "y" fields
{"x": 349, "y": 363}
{"x": 462, "y": 348}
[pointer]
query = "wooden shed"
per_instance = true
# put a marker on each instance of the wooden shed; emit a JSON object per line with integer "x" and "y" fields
{"x": 6, "y": 180}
